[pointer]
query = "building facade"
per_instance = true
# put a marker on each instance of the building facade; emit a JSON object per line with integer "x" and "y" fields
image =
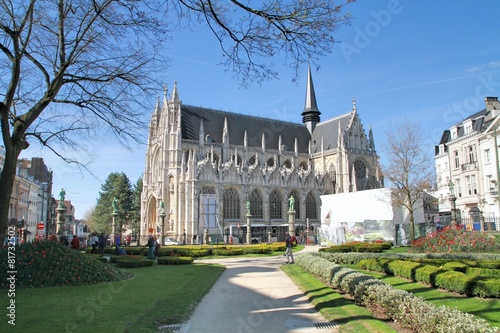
{"x": 467, "y": 165}
{"x": 203, "y": 166}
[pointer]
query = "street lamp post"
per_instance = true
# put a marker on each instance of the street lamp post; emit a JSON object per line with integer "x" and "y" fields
{"x": 162, "y": 217}
{"x": 453, "y": 200}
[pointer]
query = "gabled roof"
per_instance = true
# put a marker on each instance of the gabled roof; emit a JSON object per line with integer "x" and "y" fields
{"x": 213, "y": 125}
{"x": 329, "y": 130}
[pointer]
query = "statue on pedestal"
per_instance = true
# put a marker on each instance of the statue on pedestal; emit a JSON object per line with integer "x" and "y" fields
{"x": 291, "y": 206}
{"x": 114, "y": 204}
{"x": 61, "y": 197}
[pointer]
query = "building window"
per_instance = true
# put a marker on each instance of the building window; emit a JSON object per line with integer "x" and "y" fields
{"x": 231, "y": 202}
{"x": 256, "y": 204}
{"x": 275, "y": 205}
{"x": 473, "y": 184}
{"x": 472, "y": 153}
{"x": 311, "y": 206}
{"x": 487, "y": 156}
{"x": 458, "y": 187}
{"x": 468, "y": 185}
{"x": 457, "y": 159}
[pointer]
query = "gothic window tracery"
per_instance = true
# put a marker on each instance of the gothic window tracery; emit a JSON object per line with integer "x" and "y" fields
{"x": 231, "y": 204}
{"x": 208, "y": 190}
{"x": 361, "y": 174}
{"x": 311, "y": 212}
{"x": 256, "y": 208}
{"x": 275, "y": 205}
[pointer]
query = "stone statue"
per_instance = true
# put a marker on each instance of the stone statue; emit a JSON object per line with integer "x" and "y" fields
{"x": 291, "y": 200}
{"x": 61, "y": 197}
{"x": 451, "y": 185}
{"x": 248, "y": 207}
{"x": 114, "y": 204}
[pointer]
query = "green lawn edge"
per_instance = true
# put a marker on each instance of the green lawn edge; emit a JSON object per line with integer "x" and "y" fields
{"x": 350, "y": 318}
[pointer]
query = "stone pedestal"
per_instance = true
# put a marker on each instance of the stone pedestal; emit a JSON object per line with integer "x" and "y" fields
{"x": 113, "y": 227}
{"x": 61, "y": 218}
{"x": 291, "y": 222}
{"x": 249, "y": 229}
{"x": 453, "y": 200}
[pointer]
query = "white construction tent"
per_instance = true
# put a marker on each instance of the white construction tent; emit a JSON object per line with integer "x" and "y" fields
{"x": 364, "y": 216}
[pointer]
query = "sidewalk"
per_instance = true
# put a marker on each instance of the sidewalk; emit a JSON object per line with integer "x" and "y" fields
{"x": 255, "y": 295}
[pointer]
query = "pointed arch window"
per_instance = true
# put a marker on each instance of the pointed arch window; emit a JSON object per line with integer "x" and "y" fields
{"x": 256, "y": 208}
{"x": 311, "y": 211}
{"x": 333, "y": 177}
{"x": 275, "y": 205}
{"x": 208, "y": 190}
{"x": 231, "y": 204}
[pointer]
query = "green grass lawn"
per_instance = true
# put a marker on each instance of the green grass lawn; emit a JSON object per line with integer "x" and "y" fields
{"x": 154, "y": 296}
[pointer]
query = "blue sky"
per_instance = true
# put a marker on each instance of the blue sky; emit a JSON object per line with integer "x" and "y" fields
{"x": 429, "y": 61}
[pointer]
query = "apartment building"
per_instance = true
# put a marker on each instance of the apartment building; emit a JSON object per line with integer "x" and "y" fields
{"x": 467, "y": 165}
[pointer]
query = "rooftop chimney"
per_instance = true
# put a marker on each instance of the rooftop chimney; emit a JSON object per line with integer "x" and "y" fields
{"x": 492, "y": 105}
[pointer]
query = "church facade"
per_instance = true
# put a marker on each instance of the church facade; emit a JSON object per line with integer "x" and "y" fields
{"x": 203, "y": 166}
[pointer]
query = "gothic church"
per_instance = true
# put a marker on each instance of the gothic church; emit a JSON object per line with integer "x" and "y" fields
{"x": 195, "y": 153}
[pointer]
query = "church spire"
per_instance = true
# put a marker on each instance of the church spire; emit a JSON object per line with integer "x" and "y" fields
{"x": 310, "y": 116}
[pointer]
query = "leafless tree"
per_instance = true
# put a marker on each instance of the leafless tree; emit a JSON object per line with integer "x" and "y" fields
{"x": 409, "y": 168}
{"x": 71, "y": 69}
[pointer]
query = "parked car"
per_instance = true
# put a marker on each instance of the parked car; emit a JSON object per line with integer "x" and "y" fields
{"x": 170, "y": 241}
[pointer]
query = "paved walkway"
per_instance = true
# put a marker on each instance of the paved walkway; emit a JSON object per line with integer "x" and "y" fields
{"x": 255, "y": 295}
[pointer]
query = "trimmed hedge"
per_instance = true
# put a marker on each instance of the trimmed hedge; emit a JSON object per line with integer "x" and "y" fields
{"x": 175, "y": 260}
{"x": 133, "y": 263}
{"x": 409, "y": 311}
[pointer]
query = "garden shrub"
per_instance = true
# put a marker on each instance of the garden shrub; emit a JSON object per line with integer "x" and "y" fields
{"x": 47, "y": 263}
{"x": 133, "y": 263}
{"x": 368, "y": 248}
{"x": 486, "y": 288}
{"x": 261, "y": 249}
{"x": 455, "y": 281}
{"x": 335, "y": 249}
{"x": 402, "y": 268}
{"x": 175, "y": 260}
{"x": 455, "y": 266}
{"x": 411, "y": 312}
{"x": 483, "y": 272}
{"x": 427, "y": 274}
{"x": 228, "y": 252}
{"x": 375, "y": 264}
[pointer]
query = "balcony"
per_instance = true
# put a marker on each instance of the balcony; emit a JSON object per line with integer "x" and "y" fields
{"x": 469, "y": 166}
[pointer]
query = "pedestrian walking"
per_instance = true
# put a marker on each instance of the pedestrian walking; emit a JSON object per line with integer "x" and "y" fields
{"x": 102, "y": 243}
{"x": 94, "y": 241}
{"x": 75, "y": 243}
{"x": 289, "y": 253}
{"x": 151, "y": 248}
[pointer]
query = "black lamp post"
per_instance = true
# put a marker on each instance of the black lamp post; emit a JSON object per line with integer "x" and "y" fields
{"x": 162, "y": 217}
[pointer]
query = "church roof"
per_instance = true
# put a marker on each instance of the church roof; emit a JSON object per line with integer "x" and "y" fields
{"x": 213, "y": 125}
{"x": 329, "y": 130}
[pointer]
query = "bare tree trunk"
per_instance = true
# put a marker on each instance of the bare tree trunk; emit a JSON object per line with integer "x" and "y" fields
{"x": 6, "y": 185}
{"x": 412, "y": 227}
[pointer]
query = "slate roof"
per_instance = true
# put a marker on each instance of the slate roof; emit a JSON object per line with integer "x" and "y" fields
{"x": 329, "y": 130}
{"x": 213, "y": 125}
